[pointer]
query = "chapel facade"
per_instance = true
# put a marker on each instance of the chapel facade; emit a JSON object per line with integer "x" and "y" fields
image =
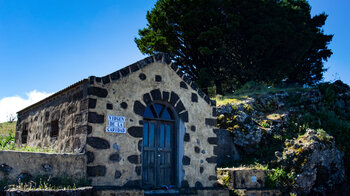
{"x": 146, "y": 125}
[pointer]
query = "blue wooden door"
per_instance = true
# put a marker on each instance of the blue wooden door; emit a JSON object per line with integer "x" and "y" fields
{"x": 158, "y": 148}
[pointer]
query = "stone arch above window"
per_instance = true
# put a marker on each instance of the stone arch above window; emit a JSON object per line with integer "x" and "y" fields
{"x": 158, "y": 111}
{"x": 152, "y": 102}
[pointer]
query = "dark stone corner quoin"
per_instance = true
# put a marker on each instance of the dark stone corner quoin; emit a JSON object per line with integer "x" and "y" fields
{"x": 97, "y": 91}
{"x": 97, "y": 143}
{"x": 94, "y": 171}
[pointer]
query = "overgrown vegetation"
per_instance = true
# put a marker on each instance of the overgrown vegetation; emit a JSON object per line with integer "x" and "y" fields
{"x": 44, "y": 183}
{"x": 7, "y": 140}
{"x": 8, "y": 143}
{"x": 328, "y": 116}
{"x": 7, "y": 128}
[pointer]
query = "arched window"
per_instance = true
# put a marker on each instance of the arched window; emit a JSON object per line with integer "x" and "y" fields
{"x": 158, "y": 111}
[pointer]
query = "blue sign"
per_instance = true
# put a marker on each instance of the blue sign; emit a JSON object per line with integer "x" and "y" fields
{"x": 116, "y": 124}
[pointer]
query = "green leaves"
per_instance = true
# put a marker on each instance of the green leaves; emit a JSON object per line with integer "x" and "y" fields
{"x": 239, "y": 41}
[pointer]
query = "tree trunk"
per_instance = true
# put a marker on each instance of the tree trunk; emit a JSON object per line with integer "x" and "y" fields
{"x": 218, "y": 87}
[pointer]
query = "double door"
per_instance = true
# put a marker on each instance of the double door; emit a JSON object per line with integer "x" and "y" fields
{"x": 158, "y": 153}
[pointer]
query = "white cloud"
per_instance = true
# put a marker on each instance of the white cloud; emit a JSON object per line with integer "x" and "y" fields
{"x": 9, "y": 106}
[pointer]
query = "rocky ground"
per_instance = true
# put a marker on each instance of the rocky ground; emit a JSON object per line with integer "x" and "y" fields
{"x": 303, "y": 132}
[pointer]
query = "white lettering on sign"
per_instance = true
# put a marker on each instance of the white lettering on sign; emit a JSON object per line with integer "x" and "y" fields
{"x": 116, "y": 124}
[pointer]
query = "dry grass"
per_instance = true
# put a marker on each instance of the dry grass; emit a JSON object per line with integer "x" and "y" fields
{"x": 7, "y": 128}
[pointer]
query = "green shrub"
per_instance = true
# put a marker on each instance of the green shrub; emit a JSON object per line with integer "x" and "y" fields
{"x": 280, "y": 178}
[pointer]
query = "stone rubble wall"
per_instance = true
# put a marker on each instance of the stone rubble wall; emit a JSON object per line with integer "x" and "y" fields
{"x": 15, "y": 165}
{"x": 69, "y": 108}
{"x": 114, "y": 159}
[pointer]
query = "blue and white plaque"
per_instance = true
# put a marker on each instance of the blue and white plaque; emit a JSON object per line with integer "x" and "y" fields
{"x": 116, "y": 124}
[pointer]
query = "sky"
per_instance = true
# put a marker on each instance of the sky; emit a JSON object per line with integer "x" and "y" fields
{"x": 47, "y": 45}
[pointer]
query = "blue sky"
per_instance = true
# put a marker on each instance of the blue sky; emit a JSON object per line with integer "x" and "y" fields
{"x": 46, "y": 45}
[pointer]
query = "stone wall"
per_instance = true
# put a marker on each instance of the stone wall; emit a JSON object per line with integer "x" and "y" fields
{"x": 227, "y": 152}
{"x": 64, "y": 112}
{"x": 15, "y": 165}
{"x": 114, "y": 159}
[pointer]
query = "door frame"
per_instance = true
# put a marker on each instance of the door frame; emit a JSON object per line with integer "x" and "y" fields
{"x": 175, "y": 152}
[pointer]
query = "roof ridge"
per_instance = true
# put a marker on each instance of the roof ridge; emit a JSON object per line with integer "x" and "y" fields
{"x": 159, "y": 57}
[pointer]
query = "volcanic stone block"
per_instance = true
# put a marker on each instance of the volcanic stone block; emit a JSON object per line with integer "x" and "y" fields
{"x": 125, "y": 71}
{"x": 158, "y": 78}
{"x": 94, "y": 171}
{"x": 194, "y": 86}
{"x": 180, "y": 107}
{"x": 89, "y": 129}
{"x": 198, "y": 184}
{"x": 124, "y": 105}
{"x": 213, "y": 140}
{"x": 166, "y": 59}
{"x": 212, "y": 178}
{"x": 194, "y": 97}
{"x": 207, "y": 99}
{"x": 115, "y": 75}
{"x": 138, "y": 170}
{"x": 184, "y": 116}
{"x": 92, "y": 103}
{"x": 186, "y": 160}
{"x": 97, "y": 91}
{"x": 212, "y": 159}
{"x": 142, "y": 76}
{"x": 106, "y": 80}
{"x": 98, "y": 143}
{"x": 184, "y": 184}
{"x": 147, "y": 98}
{"x": 179, "y": 73}
{"x": 197, "y": 149}
{"x": 109, "y": 106}
{"x": 134, "y": 159}
{"x": 139, "y": 108}
{"x": 156, "y": 94}
{"x": 183, "y": 85}
{"x": 90, "y": 157}
{"x": 115, "y": 157}
{"x": 187, "y": 137}
{"x": 165, "y": 96}
{"x": 174, "y": 67}
{"x": 210, "y": 122}
{"x": 134, "y": 67}
{"x": 93, "y": 117}
{"x": 173, "y": 98}
{"x": 117, "y": 174}
{"x": 136, "y": 131}
{"x": 187, "y": 80}
{"x": 193, "y": 128}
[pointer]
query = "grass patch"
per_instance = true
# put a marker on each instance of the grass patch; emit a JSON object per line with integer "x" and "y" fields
{"x": 8, "y": 128}
{"x": 8, "y": 143}
{"x": 45, "y": 183}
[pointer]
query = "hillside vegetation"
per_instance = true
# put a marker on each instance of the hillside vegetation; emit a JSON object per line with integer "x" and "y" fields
{"x": 301, "y": 134}
{"x": 7, "y": 128}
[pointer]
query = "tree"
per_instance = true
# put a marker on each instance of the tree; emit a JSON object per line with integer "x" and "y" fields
{"x": 231, "y": 42}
